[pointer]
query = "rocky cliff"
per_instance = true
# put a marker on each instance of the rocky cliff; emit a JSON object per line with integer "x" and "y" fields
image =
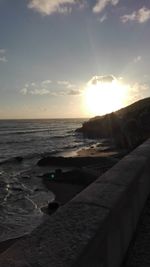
{"x": 127, "y": 127}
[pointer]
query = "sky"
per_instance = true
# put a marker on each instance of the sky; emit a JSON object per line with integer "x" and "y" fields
{"x": 51, "y": 50}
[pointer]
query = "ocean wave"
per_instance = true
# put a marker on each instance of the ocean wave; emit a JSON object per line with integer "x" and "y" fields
{"x": 34, "y": 138}
{"x": 10, "y": 142}
{"x": 29, "y": 156}
{"x": 25, "y": 132}
{"x": 60, "y": 136}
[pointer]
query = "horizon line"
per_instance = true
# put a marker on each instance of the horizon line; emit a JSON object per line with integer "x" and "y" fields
{"x": 57, "y": 118}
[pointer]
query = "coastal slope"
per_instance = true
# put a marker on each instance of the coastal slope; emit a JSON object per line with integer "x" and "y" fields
{"x": 127, "y": 127}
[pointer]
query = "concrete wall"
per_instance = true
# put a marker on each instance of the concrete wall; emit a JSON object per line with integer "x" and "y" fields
{"x": 95, "y": 228}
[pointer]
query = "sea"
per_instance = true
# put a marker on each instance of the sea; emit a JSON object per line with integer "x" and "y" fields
{"x": 36, "y": 137}
{"x": 22, "y": 193}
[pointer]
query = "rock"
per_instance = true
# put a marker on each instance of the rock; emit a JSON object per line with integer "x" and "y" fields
{"x": 75, "y": 177}
{"x": 127, "y": 127}
{"x": 19, "y": 158}
{"x": 51, "y": 208}
{"x": 72, "y": 161}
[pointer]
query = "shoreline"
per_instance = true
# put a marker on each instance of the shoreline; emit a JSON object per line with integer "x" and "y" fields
{"x": 93, "y": 152}
{"x": 64, "y": 189}
{"x": 98, "y": 149}
{"x": 87, "y": 152}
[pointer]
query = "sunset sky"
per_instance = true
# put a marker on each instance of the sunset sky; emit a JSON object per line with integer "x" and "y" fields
{"x": 51, "y": 51}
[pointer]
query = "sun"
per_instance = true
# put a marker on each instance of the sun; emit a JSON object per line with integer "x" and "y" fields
{"x": 102, "y": 97}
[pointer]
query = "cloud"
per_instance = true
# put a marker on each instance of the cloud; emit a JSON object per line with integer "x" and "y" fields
{"x": 62, "y": 82}
{"x": 68, "y": 88}
{"x": 137, "y": 59}
{"x": 142, "y": 15}
{"x": 3, "y": 59}
{"x": 130, "y": 92}
{"x": 102, "y": 79}
{"x": 74, "y": 92}
{"x": 66, "y": 84}
{"x": 46, "y": 82}
{"x": 102, "y": 4}
{"x": 138, "y": 91}
{"x": 33, "y": 84}
{"x": 2, "y": 51}
{"x": 41, "y": 91}
{"x": 24, "y": 91}
{"x": 47, "y": 7}
{"x": 139, "y": 87}
{"x": 34, "y": 89}
{"x": 102, "y": 19}
{"x": 62, "y": 88}
{"x": 2, "y": 55}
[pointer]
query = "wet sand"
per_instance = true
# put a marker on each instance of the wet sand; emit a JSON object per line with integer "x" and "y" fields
{"x": 92, "y": 152}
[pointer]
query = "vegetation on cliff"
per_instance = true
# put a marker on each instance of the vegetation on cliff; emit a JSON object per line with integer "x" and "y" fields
{"x": 127, "y": 127}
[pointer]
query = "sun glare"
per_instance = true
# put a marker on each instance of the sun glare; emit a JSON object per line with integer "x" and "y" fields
{"x": 104, "y": 97}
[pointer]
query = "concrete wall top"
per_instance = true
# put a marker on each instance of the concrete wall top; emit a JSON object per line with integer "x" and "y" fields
{"x": 94, "y": 229}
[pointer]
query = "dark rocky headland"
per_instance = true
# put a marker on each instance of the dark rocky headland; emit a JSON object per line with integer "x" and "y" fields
{"x": 127, "y": 127}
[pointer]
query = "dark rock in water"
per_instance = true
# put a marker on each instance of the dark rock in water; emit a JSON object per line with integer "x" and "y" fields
{"x": 58, "y": 172}
{"x": 75, "y": 176}
{"x": 14, "y": 160}
{"x": 17, "y": 189}
{"x": 73, "y": 161}
{"x": 51, "y": 208}
{"x": 26, "y": 177}
{"x": 67, "y": 185}
{"x": 19, "y": 159}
